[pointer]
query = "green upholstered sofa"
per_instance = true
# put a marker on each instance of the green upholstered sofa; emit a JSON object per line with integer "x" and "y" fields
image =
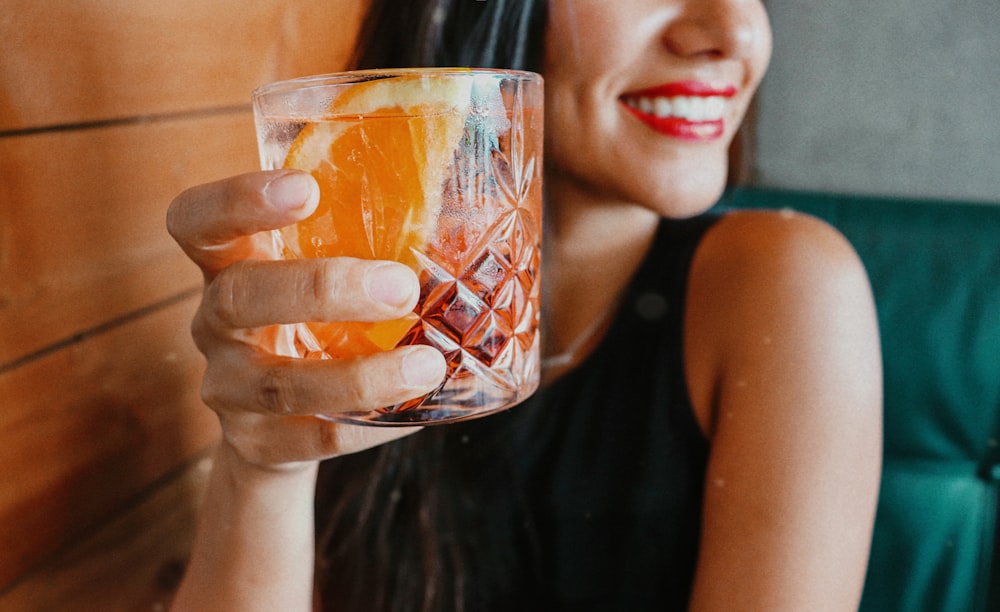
{"x": 935, "y": 271}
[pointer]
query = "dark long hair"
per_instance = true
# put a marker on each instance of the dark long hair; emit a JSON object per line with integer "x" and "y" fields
{"x": 476, "y": 33}
{"x": 413, "y": 525}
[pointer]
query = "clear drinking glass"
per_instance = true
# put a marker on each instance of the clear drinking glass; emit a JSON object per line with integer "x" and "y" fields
{"x": 440, "y": 169}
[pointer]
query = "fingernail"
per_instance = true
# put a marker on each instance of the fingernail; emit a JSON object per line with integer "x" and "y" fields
{"x": 391, "y": 284}
{"x": 290, "y": 191}
{"x": 422, "y": 367}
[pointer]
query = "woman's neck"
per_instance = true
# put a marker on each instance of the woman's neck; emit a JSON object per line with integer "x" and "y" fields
{"x": 593, "y": 246}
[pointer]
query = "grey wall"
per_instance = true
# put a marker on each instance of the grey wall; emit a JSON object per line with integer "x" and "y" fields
{"x": 883, "y": 97}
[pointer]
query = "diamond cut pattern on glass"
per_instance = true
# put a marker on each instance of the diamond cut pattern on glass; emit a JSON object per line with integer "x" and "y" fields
{"x": 479, "y": 277}
{"x": 478, "y": 312}
{"x": 481, "y": 311}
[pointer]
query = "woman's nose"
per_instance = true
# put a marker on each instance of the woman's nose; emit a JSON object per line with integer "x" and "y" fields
{"x": 718, "y": 29}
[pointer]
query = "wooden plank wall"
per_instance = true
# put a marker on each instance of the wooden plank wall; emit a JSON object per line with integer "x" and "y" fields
{"x": 109, "y": 108}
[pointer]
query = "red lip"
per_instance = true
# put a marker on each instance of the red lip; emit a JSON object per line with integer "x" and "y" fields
{"x": 681, "y": 128}
{"x": 684, "y": 88}
{"x": 677, "y": 127}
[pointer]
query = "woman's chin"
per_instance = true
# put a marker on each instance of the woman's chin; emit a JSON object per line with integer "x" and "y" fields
{"x": 687, "y": 196}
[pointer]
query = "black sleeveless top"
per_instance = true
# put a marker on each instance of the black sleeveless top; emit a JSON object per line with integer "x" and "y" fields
{"x": 588, "y": 495}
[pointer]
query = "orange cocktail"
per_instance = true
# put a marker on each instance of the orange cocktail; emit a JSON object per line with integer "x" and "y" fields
{"x": 439, "y": 169}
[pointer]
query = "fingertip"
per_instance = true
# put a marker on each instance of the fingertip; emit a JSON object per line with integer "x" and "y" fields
{"x": 393, "y": 284}
{"x": 292, "y": 191}
{"x": 423, "y": 367}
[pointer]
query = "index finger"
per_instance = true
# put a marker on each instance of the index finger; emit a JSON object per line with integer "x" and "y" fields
{"x": 219, "y": 223}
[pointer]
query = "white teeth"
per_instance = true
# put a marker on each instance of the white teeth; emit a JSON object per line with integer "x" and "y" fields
{"x": 661, "y": 107}
{"x": 692, "y": 108}
{"x": 715, "y": 106}
{"x": 684, "y": 107}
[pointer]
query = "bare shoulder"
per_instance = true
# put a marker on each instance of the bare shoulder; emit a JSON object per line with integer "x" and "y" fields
{"x": 778, "y": 245}
{"x": 784, "y": 368}
{"x": 774, "y": 288}
{"x": 791, "y": 262}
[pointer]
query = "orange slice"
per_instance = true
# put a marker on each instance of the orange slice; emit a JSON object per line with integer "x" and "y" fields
{"x": 380, "y": 157}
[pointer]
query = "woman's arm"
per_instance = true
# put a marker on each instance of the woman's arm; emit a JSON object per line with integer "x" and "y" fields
{"x": 786, "y": 374}
{"x": 254, "y": 549}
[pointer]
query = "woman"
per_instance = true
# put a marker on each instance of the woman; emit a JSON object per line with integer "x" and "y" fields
{"x": 708, "y": 435}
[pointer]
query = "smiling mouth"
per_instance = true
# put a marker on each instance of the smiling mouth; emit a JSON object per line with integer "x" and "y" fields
{"x": 685, "y": 110}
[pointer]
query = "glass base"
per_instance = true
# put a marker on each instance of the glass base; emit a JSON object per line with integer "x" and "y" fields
{"x": 457, "y": 400}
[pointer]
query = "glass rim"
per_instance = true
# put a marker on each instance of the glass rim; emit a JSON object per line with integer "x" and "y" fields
{"x": 350, "y": 77}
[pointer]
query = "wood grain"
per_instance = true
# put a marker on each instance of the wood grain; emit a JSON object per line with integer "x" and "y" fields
{"x": 108, "y": 109}
{"x": 133, "y": 563}
{"x": 89, "y": 60}
{"x": 87, "y": 427}
{"x": 82, "y": 225}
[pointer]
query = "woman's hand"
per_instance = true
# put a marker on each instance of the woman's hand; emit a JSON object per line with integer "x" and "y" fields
{"x": 266, "y": 402}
